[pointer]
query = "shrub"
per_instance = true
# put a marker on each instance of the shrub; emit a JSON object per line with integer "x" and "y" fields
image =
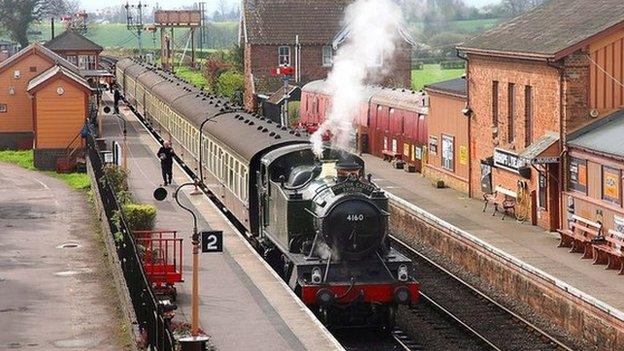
{"x": 294, "y": 112}
{"x": 230, "y": 84}
{"x": 140, "y": 216}
{"x": 116, "y": 177}
{"x": 213, "y": 69}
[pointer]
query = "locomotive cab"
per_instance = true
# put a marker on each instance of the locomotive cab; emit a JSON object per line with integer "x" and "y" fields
{"x": 330, "y": 224}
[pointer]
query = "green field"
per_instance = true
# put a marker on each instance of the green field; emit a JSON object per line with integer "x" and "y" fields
{"x": 117, "y": 35}
{"x": 465, "y": 26}
{"x": 432, "y": 74}
{"x": 194, "y": 76}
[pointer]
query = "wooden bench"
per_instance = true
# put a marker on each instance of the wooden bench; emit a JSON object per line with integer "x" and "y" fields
{"x": 609, "y": 252}
{"x": 502, "y": 198}
{"x": 579, "y": 238}
{"x": 389, "y": 155}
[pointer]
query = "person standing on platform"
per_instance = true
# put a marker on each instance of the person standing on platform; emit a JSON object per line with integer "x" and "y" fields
{"x": 116, "y": 98}
{"x": 165, "y": 154}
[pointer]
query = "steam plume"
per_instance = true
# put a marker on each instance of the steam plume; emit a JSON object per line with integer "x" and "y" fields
{"x": 373, "y": 26}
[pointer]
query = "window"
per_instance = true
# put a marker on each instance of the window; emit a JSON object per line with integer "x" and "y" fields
{"x": 495, "y": 104}
{"x": 328, "y": 56}
{"x": 33, "y": 68}
{"x": 611, "y": 185}
{"x": 448, "y": 152}
{"x": 73, "y": 59}
{"x": 577, "y": 176}
{"x": 3, "y": 108}
{"x": 284, "y": 55}
{"x": 511, "y": 106}
{"x": 542, "y": 190}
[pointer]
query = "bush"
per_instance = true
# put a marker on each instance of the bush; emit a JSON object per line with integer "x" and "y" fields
{"x": 140, "y": 216}
{"x": 116, "y": 177}
{"x": 294, "y": 112}
{"x": 230, "y": 84}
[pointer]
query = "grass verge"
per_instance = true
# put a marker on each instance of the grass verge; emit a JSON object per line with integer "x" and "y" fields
{"x": 432, "y": 74}
{"x": 25, "y": 159}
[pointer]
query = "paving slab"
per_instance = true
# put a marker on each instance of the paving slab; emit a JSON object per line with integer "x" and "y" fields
{"x": 51, "y": 298}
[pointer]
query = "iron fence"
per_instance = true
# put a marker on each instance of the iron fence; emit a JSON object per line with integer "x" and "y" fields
{"x": 149, "y": 315}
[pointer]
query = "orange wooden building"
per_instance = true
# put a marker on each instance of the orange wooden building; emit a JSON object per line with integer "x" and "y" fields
{"x": 22, "y": 96}
{"x": 448, "y": 126}
{"x": 60, "y": 100}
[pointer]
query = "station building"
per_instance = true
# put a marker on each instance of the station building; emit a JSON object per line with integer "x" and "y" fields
{"x": 43, "y": 104}
{"x": 75, "y": 48}
{"x": 532, "y": 82}
{"x": 595, "y": 165}
{"x": 448, "y": 136}
{"x": 305, "y": 36}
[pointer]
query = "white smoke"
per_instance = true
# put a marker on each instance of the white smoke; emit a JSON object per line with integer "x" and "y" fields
{"x": 373, "y": 26}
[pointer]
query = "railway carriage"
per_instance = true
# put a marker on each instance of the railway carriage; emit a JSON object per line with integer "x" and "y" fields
{"x": 323, "y": 227}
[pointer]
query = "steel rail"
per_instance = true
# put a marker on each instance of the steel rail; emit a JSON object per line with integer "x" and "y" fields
{"x": 482, "y": 295}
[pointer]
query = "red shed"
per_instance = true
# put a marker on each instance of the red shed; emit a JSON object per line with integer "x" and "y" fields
{"x": 398, "y": 125}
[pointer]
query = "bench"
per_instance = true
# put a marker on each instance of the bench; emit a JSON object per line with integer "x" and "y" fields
{"x": 609, "y": 252}
{"x": 389, "y": 155}
{"x": 580, "y": 235}
{"x": 502, "y": 198}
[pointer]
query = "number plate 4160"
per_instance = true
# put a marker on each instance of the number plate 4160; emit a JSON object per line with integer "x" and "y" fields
{"x": 212, "y": 241}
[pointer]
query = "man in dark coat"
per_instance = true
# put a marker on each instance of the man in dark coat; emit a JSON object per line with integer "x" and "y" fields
{"x": 165, "y": 154}
{"x": 116, "y": 99}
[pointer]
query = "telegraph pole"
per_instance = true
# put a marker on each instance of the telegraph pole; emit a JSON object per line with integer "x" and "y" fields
{"x": 135, "y": 23}
{"x": 202, "y": 9}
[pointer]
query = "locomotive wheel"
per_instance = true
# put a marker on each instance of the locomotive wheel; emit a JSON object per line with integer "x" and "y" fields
{"x": 387, "y": 320}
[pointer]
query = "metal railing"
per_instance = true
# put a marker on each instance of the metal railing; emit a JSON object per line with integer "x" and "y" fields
{"x": 149, "y": 314}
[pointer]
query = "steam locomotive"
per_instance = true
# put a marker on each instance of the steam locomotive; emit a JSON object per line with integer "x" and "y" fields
{"x": 319, "y": 222}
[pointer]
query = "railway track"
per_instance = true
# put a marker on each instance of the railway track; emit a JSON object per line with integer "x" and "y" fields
{"x": 489, "y": 324}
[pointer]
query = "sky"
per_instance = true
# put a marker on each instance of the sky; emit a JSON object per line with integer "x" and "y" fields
{"x": 211, "y": 5}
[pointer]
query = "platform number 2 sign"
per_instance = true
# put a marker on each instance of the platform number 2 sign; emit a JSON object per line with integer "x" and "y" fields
{"x": 212, "y": 241}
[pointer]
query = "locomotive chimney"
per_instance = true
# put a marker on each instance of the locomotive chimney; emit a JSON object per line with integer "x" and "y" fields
{"x": 348, "y": 169}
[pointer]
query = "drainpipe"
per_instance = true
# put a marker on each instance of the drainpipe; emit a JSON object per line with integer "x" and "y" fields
{"x": 465, "y": 58}
{"x": 562, "y": 138}
{"x": 52, "y": 26}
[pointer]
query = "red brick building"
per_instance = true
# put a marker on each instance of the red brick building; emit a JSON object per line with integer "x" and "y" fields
{"x": 302, "y": 34}
{"x": 531, "y": 82}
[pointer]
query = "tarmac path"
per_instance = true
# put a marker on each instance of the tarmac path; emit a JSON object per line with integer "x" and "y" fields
{"x": 51, "y": 298}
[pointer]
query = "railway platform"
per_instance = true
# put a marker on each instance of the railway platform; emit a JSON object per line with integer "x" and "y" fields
{"x": 526, "y": 253}
{"x": 529, "y": 244}
{"x": 244, "y": 305}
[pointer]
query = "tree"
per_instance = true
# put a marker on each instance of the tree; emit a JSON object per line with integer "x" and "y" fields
{"x": 18, "y": 15}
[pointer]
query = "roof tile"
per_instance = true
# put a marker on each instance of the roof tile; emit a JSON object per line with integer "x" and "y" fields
{"x": 549, "y": 28}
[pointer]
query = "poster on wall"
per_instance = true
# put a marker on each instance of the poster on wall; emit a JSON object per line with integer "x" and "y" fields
{"x": 417, "y": 153}
{"x": 618, "y": 224}
{"x": 433, "y": 145}
{"x": 406, "y": 150}
{"x": 448, "y": 152}
{"x": 486, "y": 178}
{"x": 463, "y": 155}
{"x": 611, "y": 184}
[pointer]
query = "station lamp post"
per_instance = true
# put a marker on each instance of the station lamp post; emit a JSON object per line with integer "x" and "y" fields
{"x": 196, "y": 341}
